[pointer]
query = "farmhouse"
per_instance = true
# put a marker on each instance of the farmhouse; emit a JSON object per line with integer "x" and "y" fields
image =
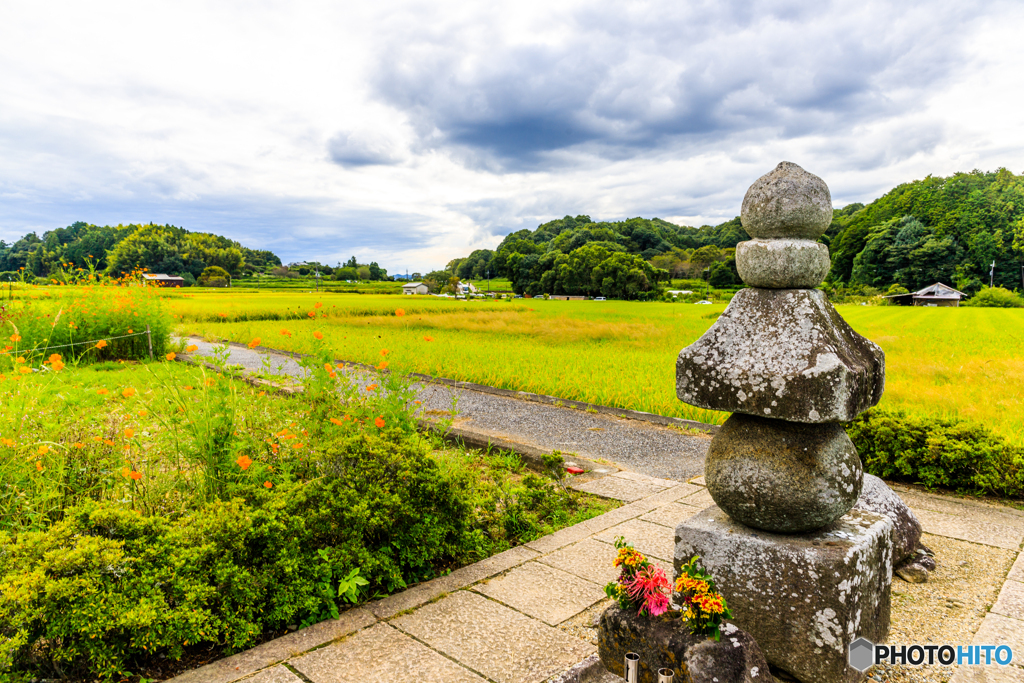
{"x": 161, "y": 280}
{"x": 415, "y": 288}
{"x": 934, "y": 295}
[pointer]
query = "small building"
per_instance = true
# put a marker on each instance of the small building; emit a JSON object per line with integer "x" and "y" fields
{"x": 933, "y": 295}
{"x": 161, "y": 280}
{"x": 415, "y": 288}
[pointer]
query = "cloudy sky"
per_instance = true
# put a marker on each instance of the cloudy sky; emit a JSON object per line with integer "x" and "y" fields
{"x": 413, "y": 132}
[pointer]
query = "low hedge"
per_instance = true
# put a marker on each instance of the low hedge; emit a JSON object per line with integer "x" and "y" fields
{"x": 938, "y": 452}
{"x": 106, "y": 587}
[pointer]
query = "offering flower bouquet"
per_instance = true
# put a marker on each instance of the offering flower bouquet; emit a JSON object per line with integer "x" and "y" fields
{"x": 643, "y": 586}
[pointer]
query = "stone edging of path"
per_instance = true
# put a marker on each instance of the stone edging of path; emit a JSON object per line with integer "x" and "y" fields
{"x": 653, "y": 418}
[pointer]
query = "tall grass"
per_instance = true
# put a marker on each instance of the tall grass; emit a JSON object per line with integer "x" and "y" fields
{"x": 941, "y": 362}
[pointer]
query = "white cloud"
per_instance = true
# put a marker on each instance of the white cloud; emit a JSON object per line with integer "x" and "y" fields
{"x": 412, "y": 133}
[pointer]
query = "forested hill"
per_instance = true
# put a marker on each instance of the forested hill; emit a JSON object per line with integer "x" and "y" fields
{"x": 123, "y": 248}
{"x": 933, "y": 230}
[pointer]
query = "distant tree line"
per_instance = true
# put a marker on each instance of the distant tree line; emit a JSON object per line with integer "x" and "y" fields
{"x": 120, "y": 249}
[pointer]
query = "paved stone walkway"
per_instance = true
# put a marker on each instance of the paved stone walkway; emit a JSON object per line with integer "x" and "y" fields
{"x": 505, "y": 619}
{"x": 511, "y": 618}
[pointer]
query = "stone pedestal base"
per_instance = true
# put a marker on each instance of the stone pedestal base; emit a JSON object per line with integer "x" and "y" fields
{"x": 804, "y": 598}
{"x": 666, "y": 642}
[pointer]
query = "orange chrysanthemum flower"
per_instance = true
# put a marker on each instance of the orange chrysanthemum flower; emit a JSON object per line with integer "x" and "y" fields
{"x": 244, "y": 461}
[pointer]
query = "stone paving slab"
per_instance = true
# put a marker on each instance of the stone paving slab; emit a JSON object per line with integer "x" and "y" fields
{"x": 650, "y": 539}
{"x": 618, "y": 488}
{"x": 238, "y": 666}
{"x": 699, "y": 499}
{"x": 277, "y": 674}
{"x": 460, "y": 578}
{"x": 988, "y": 674}
{"x": 1010, "y": 602}
{"x": 1017, "y": 570}
{"x": 544, "y": 592}
{"x": 965, "y": 529}
{"x": 384, "y": 654}
{"x": 671, "y": 515}
{"x": 974, "y": 510}
{"x": 588, "y": 559}
{"x": 502, "y": 644}
{"x": 645, "y": 479}
{"x": 561, "y": 538}
{"x": 997, "y": 629}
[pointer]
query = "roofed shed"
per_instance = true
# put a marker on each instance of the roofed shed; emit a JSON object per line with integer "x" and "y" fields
{"x": 933, "y": 295}
{"x": 162, "y": 280}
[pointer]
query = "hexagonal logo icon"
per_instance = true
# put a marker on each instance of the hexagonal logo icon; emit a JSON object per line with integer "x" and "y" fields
{"x": 862, "y": 654}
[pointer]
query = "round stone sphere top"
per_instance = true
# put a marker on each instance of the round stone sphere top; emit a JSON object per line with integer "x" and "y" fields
{"x": 788, "y": 202}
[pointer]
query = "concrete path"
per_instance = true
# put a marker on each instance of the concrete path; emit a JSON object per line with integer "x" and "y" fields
{"x": 518, "y": 617}
{"x": 525, "y": 616}
{"x": 634, "y": 444}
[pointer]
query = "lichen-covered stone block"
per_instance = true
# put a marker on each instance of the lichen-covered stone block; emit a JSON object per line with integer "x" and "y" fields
{"x": 804, "y": 598}
{"x": 785, "y": 354}
{"x": 782, "y": 263}
{"x": 666, "y": 642}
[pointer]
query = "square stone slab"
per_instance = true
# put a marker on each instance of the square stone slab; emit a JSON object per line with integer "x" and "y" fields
{"x": 380, "y": 653}
{"x": 1017, "y": 570}
{"x": 671, "y": 515}
{"x": 499, "y": 642}
{"x": 652, "y": 540}
{"x": 967, "y": 509}
{"x": 588, "y": 559}
{"x": 1011, "y": 600}
{"x": 277, "y": 674}
{"x": 999, "y": 630}
{"x": 986, "y": 533}
{"x": 549, "y": 594}
{"x": 699, "y": 499}
{"x": 619, "y": 488}
{"x": 988, "y": 674}
{"x": 645, "y": 479}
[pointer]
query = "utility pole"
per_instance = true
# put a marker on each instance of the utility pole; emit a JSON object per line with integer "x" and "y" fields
{"x": 488, "y": 279}
{"x": 991, "y": 274}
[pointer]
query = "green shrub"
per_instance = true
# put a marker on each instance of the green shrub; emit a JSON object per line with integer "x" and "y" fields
{"x": 949, "y": 453}
{"x": 107, "y": 586}
{"x": 995, "y": 297}
{"x": 214, "y": 276}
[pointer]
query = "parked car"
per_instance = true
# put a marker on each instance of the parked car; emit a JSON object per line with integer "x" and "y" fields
{"x": 704, "y": 302}
{"x": 600, "y": 298}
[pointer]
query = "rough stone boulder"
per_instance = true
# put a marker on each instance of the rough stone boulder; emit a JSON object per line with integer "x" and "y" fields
{"x": 666, "y": 642}
{"x": 785, "y": 354}
{"x": 912, "y": 560}
{"x": 804, "y": 598}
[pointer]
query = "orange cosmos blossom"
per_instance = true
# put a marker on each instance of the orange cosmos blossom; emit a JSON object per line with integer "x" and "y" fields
{"x": 191, "y": 348}
{"x": 254, "y": 343}
{"x": 39, "y": 466}
{"x": 379, "y": 422}
{"x": 128, "y": 393}
{"x": 429, "y": 339}
{"x": 371, "y": 387}
{"x": 135, "y": 475}
{"x": 312, "y": 314}
{"x": 24, "y": 371}
{"x": 336, "y": 421}
{"x": 102, "y": 392}
{"x": 382, "y": 365}
{"x": 318, "y": 335}
{"x": 384, "y": 352}
{"x": 285, "y": 332}
{"x": 268, "y": 485}
{"x": 129, "y": 433}
{"x": 244, "y": 462}
{"x": 317, "y": 305}
{"x": 101, "y": 344}
{"x": 171, "y": 355}
{"x": 399, "y": 312}
{"x": 57, "y": 366}
{"x": 19, "y": 359}
{"x": 15, "y": 337}
{"x": 108, "y": 442}
{"x": 7, "y": 442}
{"x": 54, "y": 358}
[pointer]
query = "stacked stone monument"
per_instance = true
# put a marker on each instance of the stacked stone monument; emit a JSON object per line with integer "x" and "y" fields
{"x": 805, "y": 573}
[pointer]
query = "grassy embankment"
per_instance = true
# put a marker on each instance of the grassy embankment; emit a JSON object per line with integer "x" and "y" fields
{"x": 940, "y": 362}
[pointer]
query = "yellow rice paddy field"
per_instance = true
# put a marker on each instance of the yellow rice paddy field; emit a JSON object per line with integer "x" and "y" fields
{"x": 940, "y": 361}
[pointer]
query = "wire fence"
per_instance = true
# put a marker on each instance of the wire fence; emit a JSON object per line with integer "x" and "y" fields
{"x": 93, "y": 342}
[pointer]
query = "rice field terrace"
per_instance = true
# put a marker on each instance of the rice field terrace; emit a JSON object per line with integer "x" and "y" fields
{"x": 941, "y": 362}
